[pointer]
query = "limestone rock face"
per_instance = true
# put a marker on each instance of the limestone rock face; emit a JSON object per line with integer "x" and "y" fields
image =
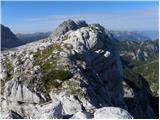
{"x": 49, "y": 111}
{"x": 3, "y": 74}
{"x": 111, "y": 112}
{"x": 97, "y": 50}
{"x": 64, "y": 27}
{"x": 18, "y": 92}
{"x": 70, "y": 105}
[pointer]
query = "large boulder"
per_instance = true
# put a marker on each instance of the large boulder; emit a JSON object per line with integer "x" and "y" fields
{"x": 48, "y": 111}
{"x": 14, "y": 91}
{"x": 69, "y": 103}
{"x": 111, "y": 112}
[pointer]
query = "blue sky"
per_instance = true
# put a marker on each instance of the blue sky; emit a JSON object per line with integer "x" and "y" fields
{"x": 28, "y": 17}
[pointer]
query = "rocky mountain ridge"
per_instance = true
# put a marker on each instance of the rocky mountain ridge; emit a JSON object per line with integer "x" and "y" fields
{"x": 139, "y": 50}
{"x": 8, "y": 38}
{"x": 74, "y": 73}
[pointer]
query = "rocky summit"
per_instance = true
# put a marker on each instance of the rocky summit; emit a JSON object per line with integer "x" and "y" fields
{"x": 74, "y": 73}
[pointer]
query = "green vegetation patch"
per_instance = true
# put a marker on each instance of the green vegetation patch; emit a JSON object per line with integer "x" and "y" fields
{"x": 133, "y": 77}
{"x": 47, "y": 60}
{"x": 54, "y": 78}
{"x": 9, "y": 70}
{"x": 150, "y": 71}
{"x": 74, "y": 87}
{"x": 41, "y": 56}
{"x": 2, "y": 84}
{"x": 56, "y": 47}
{"x": 65, "y": 37}
{"x": 93, "y": 27}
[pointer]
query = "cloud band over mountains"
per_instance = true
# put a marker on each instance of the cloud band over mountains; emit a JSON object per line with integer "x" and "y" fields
{"x": 139, "y": 19}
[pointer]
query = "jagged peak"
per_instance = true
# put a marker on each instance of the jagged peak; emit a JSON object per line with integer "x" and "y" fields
{"x": 64, "y": 27}
{"x": 68, "y": 25}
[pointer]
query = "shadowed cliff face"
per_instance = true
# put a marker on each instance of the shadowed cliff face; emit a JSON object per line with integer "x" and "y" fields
{"x": 76, "y": 69}
{"x": 8, "y": 39}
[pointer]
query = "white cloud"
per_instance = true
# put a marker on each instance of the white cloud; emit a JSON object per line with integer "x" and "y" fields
{"x": 142, "y": 19}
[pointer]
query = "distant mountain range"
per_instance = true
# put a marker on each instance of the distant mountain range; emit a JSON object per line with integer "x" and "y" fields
{"x": 119, "y": 35}
{"x": 135, "y": 35}
{"x": 32, "y": 36}
{"x": 139, "y": 50}
{"x": 152, "y": 34}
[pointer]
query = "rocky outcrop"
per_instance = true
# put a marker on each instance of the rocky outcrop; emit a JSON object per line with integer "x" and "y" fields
{"x": 64, "y": 27}
{"x": 75, "y": 73}
{"x": 67, "y": 26}
{"x": 14, "y": 91}
{"x": 96, "y": 49}
{"x": 31, "y": 111}
{"x": 48, "y": 111}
